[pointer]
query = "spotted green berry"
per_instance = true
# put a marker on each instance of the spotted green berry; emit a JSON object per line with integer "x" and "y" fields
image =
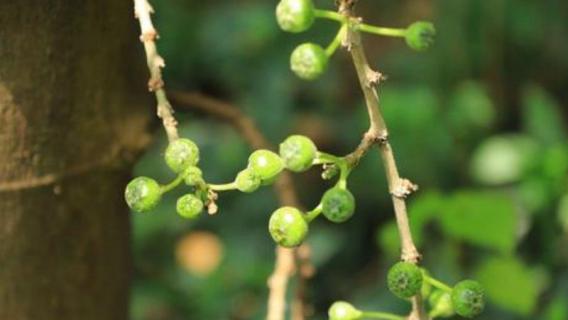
{"x": 298, "y": 153}
{"x": 342, "y": 310}
{"x": 338, "y": 205}
{"x": 288, "y": 227}
{"x": 193, "y": 176}
{"x": 295, "y": 15}
{"x": 404, "y": 279}
{"x": 189, "y": 206}
{"x": 308, "y": 61}
{"x": 420, "y": 35}
{"x": 468, "y": 298}
{"x": 265, "y": 164}
{"x": 181, "y": 154}
{"x": 247, "y": 181}
{"x": 441, "y": 304}
{"x": 142, "y": 194}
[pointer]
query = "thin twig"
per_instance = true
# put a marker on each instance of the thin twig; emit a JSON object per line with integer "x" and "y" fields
{"x": 378, "y": 134}
{"x": 148, "y": 36}
{"x": 285, "y": 265}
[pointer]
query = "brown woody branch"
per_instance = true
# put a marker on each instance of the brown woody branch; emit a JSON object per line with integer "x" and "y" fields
{"x": 378, "y": 135}
{"x": 148, "y": 36}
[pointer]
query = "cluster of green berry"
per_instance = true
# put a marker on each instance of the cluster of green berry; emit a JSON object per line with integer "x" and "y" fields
{"x": 406, "y": 280}
{"x": 288, "y": 226}
{"x": 309, "y": 60}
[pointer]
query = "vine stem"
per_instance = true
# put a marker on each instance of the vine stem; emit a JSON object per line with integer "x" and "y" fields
{"x": 288, "y": 261}
{"x": 378, "y": 134}
{"x": 148, "y": 36}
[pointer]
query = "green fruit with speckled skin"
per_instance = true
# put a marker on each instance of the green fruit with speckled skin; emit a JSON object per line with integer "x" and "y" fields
{"x": 142, "y": 194}
{"x": 247, "y": 181}
{"x": 288, "y": 227}
{"x": 420, "y": 35}
{"x": 266, "y": 165}
{"x": 308, "y": 61}
{"x": 338, "y": 205}
{"x": 404, "y": 280}
{"x": 342, "y": 310}
{"x": 193, "y": 176}
{"x": 468, "y": 298}
{"x": 295, "y": 15}
{"x": 298, "y": 153}
{"x": 189, "y": 206}
{"x": 181, "y": 154}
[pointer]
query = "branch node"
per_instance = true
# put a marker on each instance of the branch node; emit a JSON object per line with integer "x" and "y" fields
{"x": 404, "y": 188}
{"x": 155, "y": 84}
{"x": 149, "y": 35}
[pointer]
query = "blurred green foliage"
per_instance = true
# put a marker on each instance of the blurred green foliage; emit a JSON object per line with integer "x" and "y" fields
{"x": 479, "y": 122}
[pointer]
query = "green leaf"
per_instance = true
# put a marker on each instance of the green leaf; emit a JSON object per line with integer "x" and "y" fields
{"x": 503, "y": 159}
{"x": 542, "y": 118}
{"x": 558, "y": 309}
{"x": 470, "y": 108}
{"x": 510, "y": 284}
{"x": 481, "y": 218}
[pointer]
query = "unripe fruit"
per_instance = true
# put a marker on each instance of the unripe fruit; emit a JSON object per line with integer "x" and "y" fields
{"x": 298, "y": 153}
{"x": 420, "y": 35}
{"x": 295, "y": 15}
{"x": 142, "y": 194}
{"x": 189, "y": 206}
{"x": 288, "y": 227}
{"x": 308, "y": 61}
{"x": 404, "y": 279}
{"x": 265, "y": 164}
{"x": 247, "y": 181}
{"x": 342, "y": 310}
{"x": 441, "y": 304}
{"x": 468, "y": 298}
{"x": 181, "y": 154}
{"x": 193, "y": 176}
{"x": 338, "y": 205}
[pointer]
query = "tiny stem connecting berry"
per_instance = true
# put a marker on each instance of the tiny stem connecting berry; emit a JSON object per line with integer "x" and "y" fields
{"x": 223, "y": 187}
{"x": 323, "y": 157}
{"x": 438, "y": 284}
{"x": 380, "y": 315}
{"x": 311, "y": 215}
{"x": 389, "y": 32}
{"x": 168, "y": 187}
{"x": 330, "y": 50}
{"x": 331, "y": 15}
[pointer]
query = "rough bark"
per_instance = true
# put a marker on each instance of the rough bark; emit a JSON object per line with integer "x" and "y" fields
{"x": 70, "y": 111}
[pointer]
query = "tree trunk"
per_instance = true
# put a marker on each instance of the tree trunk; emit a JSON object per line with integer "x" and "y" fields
{"x": 68, "y": 117}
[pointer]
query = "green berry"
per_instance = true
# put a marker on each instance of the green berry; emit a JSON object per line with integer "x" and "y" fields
{"x": 193, "y": 176}
{"x": 404, "y": 279}
{"x": 247, "y": 181}
{"x": 288, "y": 227}
{"x": 338, "y": 205}
{"x": 342, "y": 310}
{"x": 308, "y": 61}
{"x": 420, "y": 35}
{"x": 265, "y": 164}
{"x": 468, "y": 298}
{"x": 441, "y": 304}
{"x": 295, "y": 15}
{"x": 189, "y": 206}
{"x": 298, "y": 153}
{"x": 181, "y": 154}
{"x": 142, "y": 194}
